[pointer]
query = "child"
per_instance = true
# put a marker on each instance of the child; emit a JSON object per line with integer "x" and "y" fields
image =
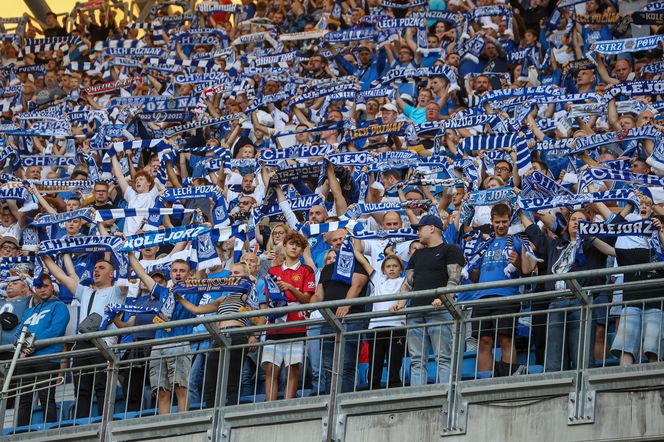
{"x": 388, "y": 342}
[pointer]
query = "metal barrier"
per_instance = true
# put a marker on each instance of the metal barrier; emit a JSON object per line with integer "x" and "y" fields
{"x": 419, "y": 346}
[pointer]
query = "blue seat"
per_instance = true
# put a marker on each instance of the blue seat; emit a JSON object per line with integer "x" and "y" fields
{"x": 22, "y": 429}
{"x": 611, "y": 361}
{"x": 404, "y": 374}
{"x": 362, "y": 375}
{"x": 73, "y": 422}
{"x": 535, "y": 369}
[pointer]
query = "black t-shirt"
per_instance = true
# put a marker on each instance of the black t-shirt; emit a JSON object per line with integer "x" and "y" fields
{"x": 634, "y": 256}
{"x": 430, "y": 266}
{"x": 335, "y": 290}
{"x": 98, "y": 33}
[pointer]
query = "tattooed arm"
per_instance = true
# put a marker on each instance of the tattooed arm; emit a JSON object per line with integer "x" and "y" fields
{"x": 453, "y": 279}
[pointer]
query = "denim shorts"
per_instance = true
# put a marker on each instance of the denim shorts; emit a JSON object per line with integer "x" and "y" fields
{"x": 637, "y": 325}
{"x": 170, "y": 366}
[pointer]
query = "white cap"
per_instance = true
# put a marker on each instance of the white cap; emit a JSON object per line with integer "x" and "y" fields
{"x": 407, "y": 98}
{"x": 390, "y": 107}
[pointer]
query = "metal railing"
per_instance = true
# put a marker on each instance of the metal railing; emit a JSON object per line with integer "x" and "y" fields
{"x": 219, "y": 368}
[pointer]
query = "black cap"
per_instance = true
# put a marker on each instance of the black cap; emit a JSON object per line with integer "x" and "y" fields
{"x": 429, "y": 220}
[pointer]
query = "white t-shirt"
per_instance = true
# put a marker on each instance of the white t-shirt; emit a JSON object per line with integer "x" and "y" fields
{"x": 631, "y": 241}
{"x": 102, "y": 297}
{"x": 381, "y": 285}
{"x": 374, "y": 250}
{"x": 138, "y": 201}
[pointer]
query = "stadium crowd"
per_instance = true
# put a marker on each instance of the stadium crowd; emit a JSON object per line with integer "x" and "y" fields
{"x": 240, "y": 157}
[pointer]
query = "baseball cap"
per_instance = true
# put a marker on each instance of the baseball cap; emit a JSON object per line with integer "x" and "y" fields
{"x": 389, "y": 107}
{"x": 429, "y": 220}
{"x": 158, "y": 272}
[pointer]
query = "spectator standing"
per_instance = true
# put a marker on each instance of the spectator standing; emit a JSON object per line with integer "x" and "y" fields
{"x": 47, "y": 318}
{"x": 296, "y": 282}
{"x": 93, "y": 299}
{"x": 435, "y": 265}
{"x": 328, "y": 289}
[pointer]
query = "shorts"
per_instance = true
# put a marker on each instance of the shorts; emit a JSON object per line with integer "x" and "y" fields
{"x": 636, "y": 326}
{"x": 287, "y": 353}
{"x": 170, "y": 366}
{"x": 487, "y": 327}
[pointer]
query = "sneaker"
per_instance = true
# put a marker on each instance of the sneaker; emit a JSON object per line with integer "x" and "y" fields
{"x": 520, "y": 371}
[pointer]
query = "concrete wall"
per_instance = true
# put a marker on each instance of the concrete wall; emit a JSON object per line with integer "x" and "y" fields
{"x": 621, "y": 416}
{"x": 307, "y": 431}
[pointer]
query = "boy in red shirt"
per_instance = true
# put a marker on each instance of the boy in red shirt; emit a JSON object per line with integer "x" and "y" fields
{"x": 297, "y": 283}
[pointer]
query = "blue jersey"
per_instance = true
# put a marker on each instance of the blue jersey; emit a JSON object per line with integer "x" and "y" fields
{"x": 179, "y": 312}
{"x": 493, "y": 267}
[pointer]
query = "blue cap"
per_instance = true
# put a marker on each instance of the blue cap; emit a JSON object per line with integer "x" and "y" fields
{"x": 429, "y": 220}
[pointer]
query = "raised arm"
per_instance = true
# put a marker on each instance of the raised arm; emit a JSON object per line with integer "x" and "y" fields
{"x": 285, "y": 207}
{"x": 70, "y": 282}
{"x": 335, "y": 188}
{"x": 119, "y": 175}
{"x": 140, "y": 271}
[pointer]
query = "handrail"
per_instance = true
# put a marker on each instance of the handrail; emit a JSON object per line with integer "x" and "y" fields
{"x": 439, "y": 292}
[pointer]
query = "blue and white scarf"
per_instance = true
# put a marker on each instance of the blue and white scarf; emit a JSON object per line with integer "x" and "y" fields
{"x": 310, "y": 230}
{"x": 653, "y": 68}
{"x": 527, "y": 92}
{"x": 163, "y": 236}
{"x": 138, "y": 52}
{"x": 488, "y": 142}
{"x": 644, "y": 228}
{"x": 15, "y": 193}
{"x": 597, "y": 174}
{"x": 636, "y": 133}
{"x": 110, "y": 214}
{"x": 344, "y": 266}
{"x": 359, "y": 209}
{"x": 491, "y": 197}
{"x": 540, "y": 185}
{"x": 407, "y": 234}
{"x": 49, "y": 219}
{"x": 298, "y": 151}
{"x": 87, "y": 244}
{"x": 635, "y": 88}
{"x": 171, "y": 131}
{"x": 353, "y": 34}
{"x": 445, "y": 182}
{"x": 297, "y": 204}
{"x": 615, "y": 47}
{"x": 626, "y": 195}
{"x": 398, "y": 73}
{"x": 112, "y": 310}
